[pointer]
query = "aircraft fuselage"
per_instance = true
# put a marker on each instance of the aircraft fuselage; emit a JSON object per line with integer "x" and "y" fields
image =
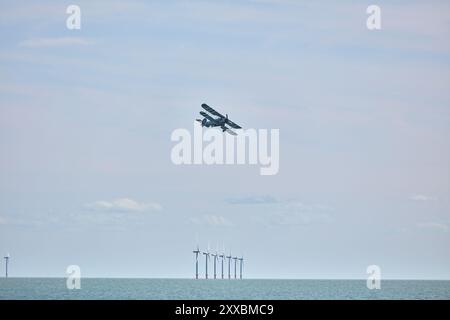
{"x": 219, "y": 122}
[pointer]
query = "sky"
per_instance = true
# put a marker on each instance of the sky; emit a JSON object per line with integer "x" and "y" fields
{"x": 86, "y": 117}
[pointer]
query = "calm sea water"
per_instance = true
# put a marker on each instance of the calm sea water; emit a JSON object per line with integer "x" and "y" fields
{"x": 55, "y": 288}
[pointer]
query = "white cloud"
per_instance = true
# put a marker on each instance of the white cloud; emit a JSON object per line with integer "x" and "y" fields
{"x": 295, "y": 218}
{"x": 289, "y": 212}
{"x": 212, "y": 220}
{"x": 2, "y": 221}
{"x": 124, "y": 205}
{"x": 421, "y": 197}
{"x": 294, "y": 213}
{"x": 433, "y": 225}
{"x": 252, "y": 200}
{"x": 55, "y": 42}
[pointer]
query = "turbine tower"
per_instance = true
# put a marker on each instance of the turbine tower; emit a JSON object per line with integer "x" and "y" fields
{"x": 235, "y": 260}
{"x": 241, "y": 261}
{"x": 196, "y": 261}
{"x": 206, "y": 260}
{"x": 229, "y": 261}
{"x": 222, "y": 256}
{"x": 215, "y": 260}
{"x": 6, "y": 266}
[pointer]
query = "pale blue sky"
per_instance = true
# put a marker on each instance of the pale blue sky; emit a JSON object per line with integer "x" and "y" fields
{"x": 86, "y": 116}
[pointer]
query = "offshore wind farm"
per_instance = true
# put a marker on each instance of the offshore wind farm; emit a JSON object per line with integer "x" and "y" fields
{"x": 223, "y": 275}
{"x": 216, "y": 256}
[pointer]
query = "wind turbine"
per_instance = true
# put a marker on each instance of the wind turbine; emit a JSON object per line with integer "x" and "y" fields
{"x": 241, "y": 261}
{"x": 206, "y": 259}
{"x": 196, "y": 261}
{"x": 222, "y": 256}
{"x": 6, "y": 261}
{"x": 235, "y": 259}
{"x": 229, "y": 260}
{"x": 215, "y": 259}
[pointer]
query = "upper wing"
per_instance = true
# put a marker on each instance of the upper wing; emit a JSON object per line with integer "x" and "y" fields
{"x": 232, "y": 124}
{"x": 207, "y": 116}
{"x": 211, "y": 110}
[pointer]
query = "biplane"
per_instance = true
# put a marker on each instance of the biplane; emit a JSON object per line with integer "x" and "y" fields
{"x": 215, "y": 119}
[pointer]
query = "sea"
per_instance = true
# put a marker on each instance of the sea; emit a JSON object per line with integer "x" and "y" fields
{"x": 251, "y": 289}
